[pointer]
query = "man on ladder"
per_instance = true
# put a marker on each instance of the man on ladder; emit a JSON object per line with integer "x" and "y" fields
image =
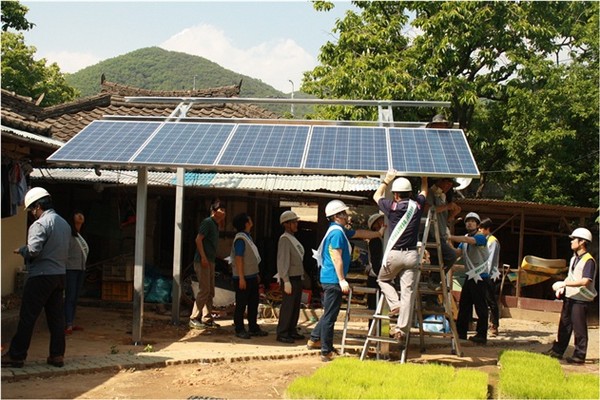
{"x": 401, "y": 256}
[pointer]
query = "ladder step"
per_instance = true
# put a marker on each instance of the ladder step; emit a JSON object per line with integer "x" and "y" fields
{"x": 362, "y": 314}
{"x": 426, "y": 290}
{"x": 430, "y": 268}
{"x": 356, "y": 340}
{"x": 382, "y": 339}
{"x": 364, "y": 290}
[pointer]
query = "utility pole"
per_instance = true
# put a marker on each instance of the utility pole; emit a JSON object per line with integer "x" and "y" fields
{"x": 292, "y": 106}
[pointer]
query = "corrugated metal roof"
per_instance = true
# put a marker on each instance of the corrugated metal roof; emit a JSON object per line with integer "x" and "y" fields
{"x": 32, "y": 137}
{"x": 510, "y": 207}
{"x": 263, "y": 182}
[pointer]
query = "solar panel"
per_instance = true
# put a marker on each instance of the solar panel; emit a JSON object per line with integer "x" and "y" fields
{"x": 265, "y": 146}
{"x": 431, "y": 152}
{"x": 343, "y": 148}
{"x": 185, "y": 144}
{"x": 302, "y": 149}
{"x": 106, "y": 142}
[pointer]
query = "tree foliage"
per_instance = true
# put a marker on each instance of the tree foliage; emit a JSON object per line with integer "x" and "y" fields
{"x": 13, "y": 16}
{"x": 527, "y": 117}
{"x": 24, "y": 75}
{"x": 21, "y": 73}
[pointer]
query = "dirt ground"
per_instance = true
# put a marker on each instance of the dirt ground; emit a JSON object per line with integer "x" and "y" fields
{"x": 109, "y": 330}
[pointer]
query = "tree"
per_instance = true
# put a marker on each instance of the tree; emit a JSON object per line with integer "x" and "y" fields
{"x": 25, "y": 76}
{"x": 20, "y": 72}
{"x": 486, "y": 58}
{"x": 13, "y": 16}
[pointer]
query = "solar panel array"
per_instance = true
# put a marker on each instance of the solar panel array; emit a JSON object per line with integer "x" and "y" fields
{"x": 300, "y": 149}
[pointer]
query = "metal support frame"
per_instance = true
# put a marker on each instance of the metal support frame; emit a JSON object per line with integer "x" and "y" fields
{"x": 139, "y": 258}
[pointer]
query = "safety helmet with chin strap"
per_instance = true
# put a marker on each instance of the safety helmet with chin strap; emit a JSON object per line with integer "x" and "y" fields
{"x": 288, "y": 216}
{"x": 473, "y": 216}
{"x": 334, "y": 207}
{"x": 581, "y": 233}
{"x": 33, "y": 195}
{"x": 401, "y": 185}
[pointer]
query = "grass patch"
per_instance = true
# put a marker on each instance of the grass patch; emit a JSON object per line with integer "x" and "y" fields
{"x": 350, "y": 378}
{"x": 525, "y": 375}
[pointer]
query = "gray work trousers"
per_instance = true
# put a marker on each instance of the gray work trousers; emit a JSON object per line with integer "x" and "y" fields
{"x": 403, "y": 263}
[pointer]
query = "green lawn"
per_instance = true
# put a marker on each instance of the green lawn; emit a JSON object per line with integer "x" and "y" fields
{"x": 523, "y": 375}
{"x": 350, "y": 378}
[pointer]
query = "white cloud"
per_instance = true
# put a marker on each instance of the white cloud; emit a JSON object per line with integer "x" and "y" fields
{"x": 70, "y": 62}
{"x": 274, "y": 62}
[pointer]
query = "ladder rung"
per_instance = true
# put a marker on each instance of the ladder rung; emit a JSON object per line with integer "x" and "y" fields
{"x": 356, "y": 339}
{"x": 431, "y": 268}
{"x": 382, "y": 339}
{"x": 361, "y": 314}
{"x": 364, "y": 290}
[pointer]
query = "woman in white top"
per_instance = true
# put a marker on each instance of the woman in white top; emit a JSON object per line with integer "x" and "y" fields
{"x": 78, "y": 252}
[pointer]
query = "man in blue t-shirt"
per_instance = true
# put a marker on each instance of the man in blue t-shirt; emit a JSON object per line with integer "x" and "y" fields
{"x": 401, "y": 257}
{"x": 333, "y": 256}
{"x": 474, "y": 251}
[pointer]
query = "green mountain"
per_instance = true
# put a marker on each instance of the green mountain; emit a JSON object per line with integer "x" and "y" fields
{"x": 158, "y": 69}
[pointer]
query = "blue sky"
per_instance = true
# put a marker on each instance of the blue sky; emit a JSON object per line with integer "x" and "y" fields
{"x": 274, "y": 41}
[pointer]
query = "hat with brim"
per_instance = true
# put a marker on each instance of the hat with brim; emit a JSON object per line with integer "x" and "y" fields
{"x": 372, "y": 219}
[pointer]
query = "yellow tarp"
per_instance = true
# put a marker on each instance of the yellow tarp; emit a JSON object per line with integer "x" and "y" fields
{"x": 535, "y": 270}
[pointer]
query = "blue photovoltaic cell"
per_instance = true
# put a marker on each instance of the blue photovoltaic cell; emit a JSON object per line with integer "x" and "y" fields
{"x": 431, "y": 151}
{"x": 268, "y": 146}
{"x": 183, "y": 143}
{"x": 342, "y": 148}
{"x": 106, "y": 142}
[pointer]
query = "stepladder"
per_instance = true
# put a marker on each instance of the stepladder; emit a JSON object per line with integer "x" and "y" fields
{"x": 435, "y": 307}
{"x": 432, "y": 305}
{"x": 357, "y": 317}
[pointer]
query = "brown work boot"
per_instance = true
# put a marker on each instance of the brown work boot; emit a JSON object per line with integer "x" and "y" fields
{"x": 400, "y": 336}
{"x": 327, "y": 357}
{"x": 313, "y": 345}
{"x": 57, "y": 361}
{"x": 8, "y": 361}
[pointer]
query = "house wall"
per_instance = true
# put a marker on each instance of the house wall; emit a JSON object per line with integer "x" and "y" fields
{"x": 14, "y": 235}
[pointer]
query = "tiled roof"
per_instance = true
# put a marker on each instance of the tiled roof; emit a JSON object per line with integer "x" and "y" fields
{"x": 22, "y": 113}
{"x": 64, "y": 121}
{"x": 125, "y": 90}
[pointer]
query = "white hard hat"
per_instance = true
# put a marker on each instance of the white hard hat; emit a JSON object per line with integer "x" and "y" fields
{"x": 34, "y": 194}
{"x": 401, "y": 185}
{"x": 581, "y": 233}
{"x": 287, "y": 216}
{"x": 474, "y": 216}
{"x": 372, "y": 219}
{"x": 334, "y": 207}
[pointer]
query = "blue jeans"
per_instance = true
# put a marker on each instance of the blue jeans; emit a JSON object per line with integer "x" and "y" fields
{"x": 323, "y": 331}
{"x": 74, "y": 283}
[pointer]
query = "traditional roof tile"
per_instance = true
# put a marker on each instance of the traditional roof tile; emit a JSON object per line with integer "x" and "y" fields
{"x": 64, "y": 121}
{"x": 20, "y": 112}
